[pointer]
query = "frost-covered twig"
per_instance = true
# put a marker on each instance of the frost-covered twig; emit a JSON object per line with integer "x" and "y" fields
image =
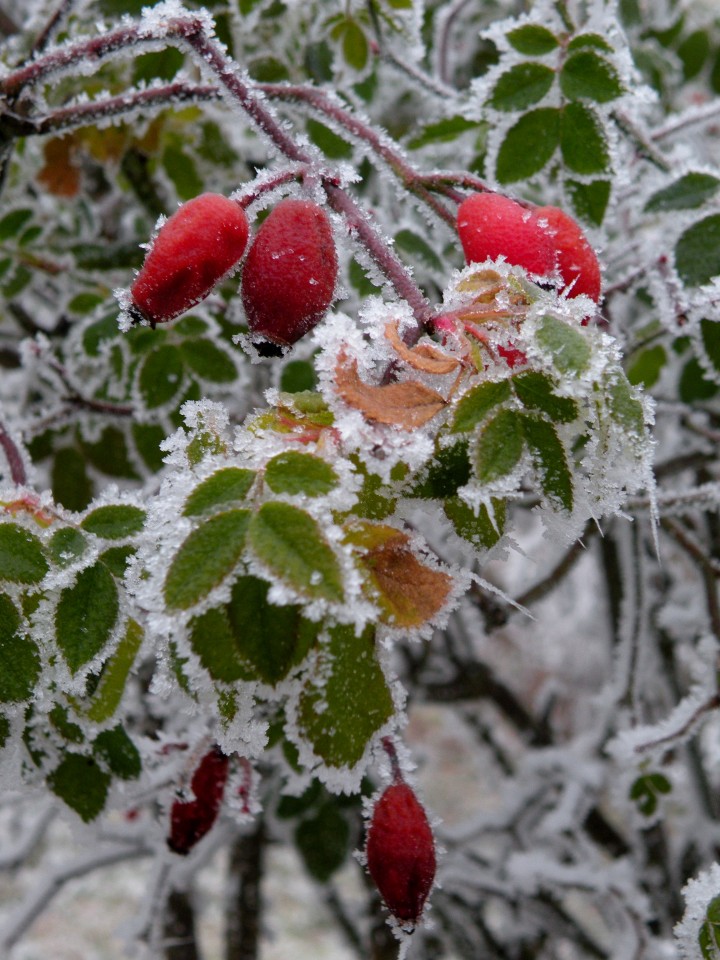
{"x": 691, "y": 546}
{"x": 559, "y": 571}
{"x": 18, "y": 473}
{"x": 643, "y": 139}
{"x": 51, "y": 28}
{"x": 705, "y": 113}
{"x": 16, "y": 854}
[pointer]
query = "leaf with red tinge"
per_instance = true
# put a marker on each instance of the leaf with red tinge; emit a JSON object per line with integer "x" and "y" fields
{"x": 407, "y": 405}
{"x": 190, "y": 820}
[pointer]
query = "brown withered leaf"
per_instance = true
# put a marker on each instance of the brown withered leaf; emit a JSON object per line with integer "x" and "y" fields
{"x": 408, "y": 592}
{"x": 407, "y": 405}
{"x": 423, "y": 357}
{"x": 59, "y": 174}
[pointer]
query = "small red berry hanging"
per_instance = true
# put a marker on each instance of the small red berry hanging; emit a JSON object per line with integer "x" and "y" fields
{"x": 290, "y": 271}
{"x": 576, "y": 261}
{"x": 190, "y": 820}
{"x": 193, "y": 250}
{"x": 400, "y": 852}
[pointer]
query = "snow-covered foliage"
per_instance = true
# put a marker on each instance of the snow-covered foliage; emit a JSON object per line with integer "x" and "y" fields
{"x": 233, "y": 573}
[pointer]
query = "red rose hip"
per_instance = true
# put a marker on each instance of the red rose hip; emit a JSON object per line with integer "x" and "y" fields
{"x": 190, "y": 820}
{"x": 575, "y": 258}
{"x": 400, "y": 852}
{"x": 289, "y": 275}
{"x": 200, "y": 243}
{"x": 491, "y": 226}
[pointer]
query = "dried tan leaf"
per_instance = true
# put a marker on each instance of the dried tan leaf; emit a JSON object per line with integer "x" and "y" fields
{"x": 408, "y": 592}
{"x": 59, "y": 174}
{"x": 423, "y": 357}
{"x": 407, "y": 405}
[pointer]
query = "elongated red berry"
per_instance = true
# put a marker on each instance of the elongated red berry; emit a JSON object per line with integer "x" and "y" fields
{"x": 491, "y": 226}
{"x": 190, "y": 820}
{"x": 194, "y": 249}
{"x": 400, "y": 852}
{"x": 289, "y": 275}
{"x": 576, "y": 261}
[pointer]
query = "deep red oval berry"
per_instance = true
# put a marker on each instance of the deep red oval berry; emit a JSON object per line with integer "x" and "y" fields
{"x": 576, "y": 261}
{"x": 190, "y": 820}
{"x": 400, "y": 852}
{"x": 194, "y": 249}
{"x": 491, "y": 226}
{"x": 289, "y": 275}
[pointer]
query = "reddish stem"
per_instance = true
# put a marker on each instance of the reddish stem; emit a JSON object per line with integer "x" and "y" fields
{"x": 18, "y": 473}
{"x": 389, "y": 748}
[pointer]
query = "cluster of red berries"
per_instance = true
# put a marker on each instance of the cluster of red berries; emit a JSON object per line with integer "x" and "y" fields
{"x": 544, "y": 240}
{"x": 289, "y": 274}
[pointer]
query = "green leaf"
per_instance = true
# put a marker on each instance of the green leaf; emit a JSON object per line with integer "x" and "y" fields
{"x": 116, "y": 559}
{"x": 587, "y": 76}
{"x": 693, "y": 53}
{"x": 500, "y": 446}
{"x": 270, "y": 639}
{"x": 181, "y": 169}
{"x": 710, "y": 332}
{"x": 354, "y": 45}
{"x": 161, "y": 64}
{"x": 81, "y": 784}
{"x": 226, "y": 486}
{"x": 535, "y": 391}
{"x": 521, "y": 86}
{"x": 294, "y": 473}
{"x": 413, "y": 244}
{"x": 4, "y": 730}
{"x": 208, "y": 361}
{"x": 208, "y": 555}
{"x": 625, "y": 409}
{"x": 289, "y": 543}
{"x": 161, "y": 376}
{"x": 442, "y": 131}
{"x": 22, "y": 559}
{"x": 583, "y": 141}
{"x": 85, "y": 302}
{"x": 116, "y": 670}
{"x": 147, "y": 438}
{"x": 18, "y": 656}
{"x": 448, "y": 470}
{"x": 339, "y": 716}
{"x": 645, "y": 369}
{"x": 694, "y": 385}
{"x": 323, "y": 841}
{"x": 697, "y": 252}
{"x": 67, "y": 545}
{"x": 528, "y": 145}
{"x": 116, "y": 749}
{"x": 589, "y": 40}
{"x": 479, "y": 528}
{"x": 86, "y": 615}
{"x": 67, "y": 729}
{"x": 213, "y": 640}
{"x": 570, "y": 350}
{"x": 13, "y": 222}
{"x": 687, "y": 193}
{"x": 333, "y": 146}
{"x": 110, "y": 454}
{"x": 532, "y": 40}
{"x": 550, "y": 461}
{"x": 477, "y": 403}
{"x": 297, "y": 376}
{"x": 115, "y": 521}
{"x": 590, "y": 200}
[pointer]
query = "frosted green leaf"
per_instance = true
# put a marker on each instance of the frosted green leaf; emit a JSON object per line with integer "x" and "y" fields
{"x": 477, "y": 403}
{"x": 81, "y": 784}
{"x": 327, "y": 140}
{"x": 13, "y": 222}
{"x": 479, "y": 528}
{"x": 535, "y": 391}
{"x": 442, "y": 131}
{"x": 589, "y": 40}
{"x": 499, "y": 447}
{"x": 18, "y": 656}
{"x": 413, "y": 244}
{"x": 686, "y": 193}
{"x": 589, "y": 200}
{"x": 550, "y": 461}
{"x": 289, "y": 543}
{"x": 583, "y": 141}
{"x": 532, "y": 40}
{"x": 448, "y": 470}
{"x": 647, "y": 366}
{"x": 86, "y": 615}
{"x": 339, "y": 716}
{"x": 697, "y": 252}
{"x": 588, "y": 76}
{"x": 213, "y": 640}
{"x": 67, "y": 545}
{"x": 116, "y": 670}
{"x": 521, "y": 86}
{"x": 710, "y": 332}
{"x": 226, "y": 486}
{"x": 116, "y": 749}
{"x": 208, "y": 361}
{"x": 569, "y": 348}
{"x": 323, "y": 841}
{"x": 624, "y": 407}
{"x": 21, "y": 555}
{"x": 208, "y": 555}
{"x": 293, "y": 473}
{"x": 354, "y": 45}
{"x": 161, "y": 376}
{"x": 113, "y": 522}
{"x": 528, "y": 145}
